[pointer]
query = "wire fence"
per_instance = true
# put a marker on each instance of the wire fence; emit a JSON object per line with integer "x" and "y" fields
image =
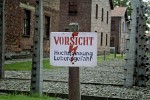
{"x": 106, "y": 78}
{"x": 108, "y": 72}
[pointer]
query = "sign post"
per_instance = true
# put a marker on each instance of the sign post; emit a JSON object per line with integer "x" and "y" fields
{"x": 74, "y": 73}
{"x": 73, "y": 49}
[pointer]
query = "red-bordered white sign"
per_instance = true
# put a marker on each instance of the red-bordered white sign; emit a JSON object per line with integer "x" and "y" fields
{"x": 73, "y": 49}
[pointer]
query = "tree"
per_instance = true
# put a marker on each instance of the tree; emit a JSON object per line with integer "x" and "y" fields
{"x": 126, "y": 3}
{"x": 147, "y": 13}
{"x": 123, "y": 3}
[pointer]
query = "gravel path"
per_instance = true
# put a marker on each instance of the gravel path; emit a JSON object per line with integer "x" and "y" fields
{"x": 108, "y": 72}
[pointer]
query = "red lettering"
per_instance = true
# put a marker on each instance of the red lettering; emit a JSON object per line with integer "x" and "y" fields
{"x": 91, "y": 40}
{"x": 57, "y": 40}
{"x": 62, "y": 40}
{"x": 85, "y": 41}
{"x": 79, "y": 41}
{"x": 66, "y": 40}
{"x": 74, "y": 40}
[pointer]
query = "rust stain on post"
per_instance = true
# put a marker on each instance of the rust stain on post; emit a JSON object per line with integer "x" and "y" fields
{"x": 74, "y": 83}
{"x": 74, "y": 74}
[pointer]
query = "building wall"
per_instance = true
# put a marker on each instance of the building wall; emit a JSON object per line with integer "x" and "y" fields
{"x": 101, "y": 26}
{"x": 115, "y": 30}
{"x": 14, "y": 25}
{"x": 120, "y": 33}
{"x": 53, "y": 4}
{"x": 86, "y": 19}
{"x": 124, "y": 34}
{"x": 15, "y": 41}
{"x": 53, "y": 13}
{"x": 83, "y": 17}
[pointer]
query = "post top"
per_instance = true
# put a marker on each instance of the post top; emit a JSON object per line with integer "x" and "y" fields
{"x": 73, "y": 24}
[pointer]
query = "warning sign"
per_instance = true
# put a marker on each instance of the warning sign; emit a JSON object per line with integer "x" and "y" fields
{"x": 73, "y": 49}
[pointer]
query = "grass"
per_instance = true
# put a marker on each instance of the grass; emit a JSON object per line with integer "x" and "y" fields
{"x": 24, "y": 97}
{"x": 26, "y": 65}
{"x": 18, "y": 65}
{"x": 110, "y": 57}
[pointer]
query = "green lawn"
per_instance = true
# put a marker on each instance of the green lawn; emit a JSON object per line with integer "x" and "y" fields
{"x": 24, "y": 97}
{"x": 110, "y": 57}
{"x": 28, "y": 64}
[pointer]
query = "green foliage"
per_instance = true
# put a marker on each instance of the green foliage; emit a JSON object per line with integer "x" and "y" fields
{"x": 126, "y": 3}
{"x": 148, "y": 15}
{"x": 123, "y": 3}
{"x": 24, "y": 97}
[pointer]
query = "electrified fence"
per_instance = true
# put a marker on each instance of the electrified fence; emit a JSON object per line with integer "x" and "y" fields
{"x": 107, "y": 79}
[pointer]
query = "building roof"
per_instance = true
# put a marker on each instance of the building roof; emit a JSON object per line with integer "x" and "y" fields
{"x": 148, "y": 34}
{"x": 118, "y": 11}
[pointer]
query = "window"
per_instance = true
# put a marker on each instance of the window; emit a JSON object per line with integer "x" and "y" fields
{"x": 96, "y": 16}
{"x": 72, "y": 9}
{"x": 102, "y": 14}
{"x": 27, "y": 15}
{"x": 101, "y": 39}
{"x": 107, "y": 17}
{"x": 112, "y": 25}
{"x": 47, "y": 26}
{"x": 106, "y": 39}
{"x": 123, "y": 27}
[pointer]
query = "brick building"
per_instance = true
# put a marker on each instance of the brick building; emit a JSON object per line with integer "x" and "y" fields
{"x": 119, "y": 29}
{"x": 19, "y": 18}
{"x": 91, "y": 15}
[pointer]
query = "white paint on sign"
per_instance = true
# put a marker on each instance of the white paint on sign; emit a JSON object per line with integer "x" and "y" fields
{"x": 73, "y": 49}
